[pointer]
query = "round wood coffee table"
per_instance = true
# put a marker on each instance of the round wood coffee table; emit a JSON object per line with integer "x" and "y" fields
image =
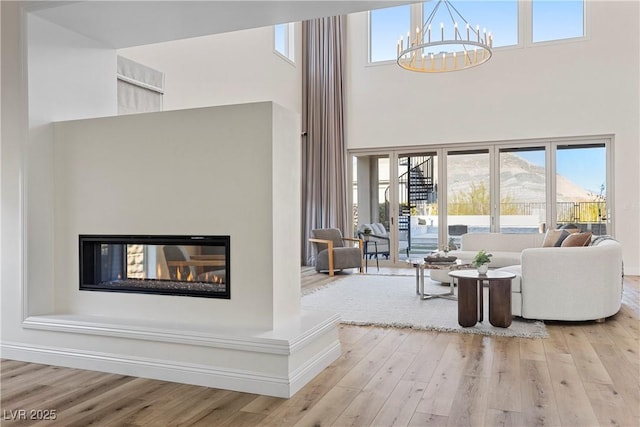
{"x": 470, "y": 300}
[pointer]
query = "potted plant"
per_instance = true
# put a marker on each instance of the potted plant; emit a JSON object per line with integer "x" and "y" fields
{"x": 481, "y": 261}
{"x": 367, "y": 233}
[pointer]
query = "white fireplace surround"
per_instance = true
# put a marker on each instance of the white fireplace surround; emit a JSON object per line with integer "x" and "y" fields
{"x": 230, "y": 170}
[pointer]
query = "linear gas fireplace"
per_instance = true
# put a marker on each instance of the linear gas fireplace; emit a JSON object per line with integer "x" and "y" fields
{"x": 196, "y": 266}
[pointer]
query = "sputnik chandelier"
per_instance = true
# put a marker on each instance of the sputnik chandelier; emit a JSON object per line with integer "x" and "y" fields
{"x": 433, "y": 50}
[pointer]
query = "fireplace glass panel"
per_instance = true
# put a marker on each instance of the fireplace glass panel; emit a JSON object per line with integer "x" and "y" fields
{"x": 174, "y": 265}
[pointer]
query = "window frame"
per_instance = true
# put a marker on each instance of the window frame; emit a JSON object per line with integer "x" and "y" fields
{"x": 414, "y": 10}
{"x": 524, "y": 31}
{"x": 586, "y": 14}
{"x": 289, "y": 42}
{"x": 441, "y": 150}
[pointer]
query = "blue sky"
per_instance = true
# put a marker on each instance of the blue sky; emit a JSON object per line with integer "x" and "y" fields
{"x": 552, "y": 20}
{"x": 584, "y": 166}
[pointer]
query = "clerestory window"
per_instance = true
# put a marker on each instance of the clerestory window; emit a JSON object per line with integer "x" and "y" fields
{"x": 512, "y": 23}
{"x": 283, "y": 40}
{"x": 557, "y": 20}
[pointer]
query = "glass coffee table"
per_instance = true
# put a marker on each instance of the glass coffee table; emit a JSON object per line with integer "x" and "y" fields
{"x": 420, "y": 265}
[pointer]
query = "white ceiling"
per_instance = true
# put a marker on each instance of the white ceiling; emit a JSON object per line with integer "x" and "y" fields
{"x": 120, "y": 24}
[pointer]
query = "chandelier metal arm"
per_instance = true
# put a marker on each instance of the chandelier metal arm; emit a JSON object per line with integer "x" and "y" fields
{"x": 433, "y": 13}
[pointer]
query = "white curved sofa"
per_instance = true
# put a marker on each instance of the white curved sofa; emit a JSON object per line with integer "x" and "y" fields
{"x": 559, "y": 283}
{"x": 505, "y": 248}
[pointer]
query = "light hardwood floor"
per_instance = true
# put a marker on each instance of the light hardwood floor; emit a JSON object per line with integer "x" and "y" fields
{"x": 584, "y": 374}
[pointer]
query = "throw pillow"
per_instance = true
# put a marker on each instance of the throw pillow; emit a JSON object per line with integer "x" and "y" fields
{"x": 552, "y": 236}
{"x": 563, "y": 236}
{"x": 577, "y": 239}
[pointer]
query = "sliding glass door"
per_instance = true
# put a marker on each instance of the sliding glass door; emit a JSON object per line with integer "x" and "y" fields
{"x": 371, "y": 190}
{"x": 581, "y": 187}
{"x": 468, "y": 193}
{"x": 423, "y": 200}
{"x": 372, "y": 204}
{"x": 523, "y": 189}
{"x": 417, "y": 204}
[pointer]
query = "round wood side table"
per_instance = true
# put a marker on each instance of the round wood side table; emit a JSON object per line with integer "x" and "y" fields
{"x": 470, "y": 299}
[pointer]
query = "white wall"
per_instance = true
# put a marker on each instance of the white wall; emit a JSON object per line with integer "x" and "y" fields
{"x": 122, "y": 334}
{"x": 70, "y": 77}
{"x": 286, "y": 211}
{"x": 14, "y": 133}
{"x": 209, "y": 171}
{"x": 224, "y": 69}
{"x": 55, "y": 58}
{"x": 569, "y": 89}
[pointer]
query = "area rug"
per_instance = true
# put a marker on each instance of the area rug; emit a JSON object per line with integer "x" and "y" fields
{"x": 392, "y": 301}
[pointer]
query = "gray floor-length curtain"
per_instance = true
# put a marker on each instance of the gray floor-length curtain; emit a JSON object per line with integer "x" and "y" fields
{"x": 324, "y": 183}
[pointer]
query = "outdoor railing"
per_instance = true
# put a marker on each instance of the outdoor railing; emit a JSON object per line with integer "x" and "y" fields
{"x": 565, "y": 211}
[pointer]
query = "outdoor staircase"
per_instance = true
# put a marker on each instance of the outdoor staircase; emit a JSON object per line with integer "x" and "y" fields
{"x": 416, "y": 184}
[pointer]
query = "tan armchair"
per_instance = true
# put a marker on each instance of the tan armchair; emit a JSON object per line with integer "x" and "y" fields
{"x": 333, "y": 254}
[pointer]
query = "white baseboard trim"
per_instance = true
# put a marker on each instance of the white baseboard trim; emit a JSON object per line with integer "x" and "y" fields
{"x": 202, "y": 375}
{"x": 115, "y": 328}
{"x": 631, "y": 271}
{"x": 301, "y": 376}
{"x": 275, "y": 342}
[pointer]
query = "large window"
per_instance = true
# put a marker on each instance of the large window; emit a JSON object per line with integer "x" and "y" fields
{"x": 468, "y": 193}
{"x": 283, "y": 36}
{"x": 498, "y": 17}
{"x": 432, "y": 195}
{"x": 507, "y": 20}
{"x": 386, "y": 26}
{"x": 557, "y": 20}
{"x": 581, "y": 186}
{"x": 523, "y": 189}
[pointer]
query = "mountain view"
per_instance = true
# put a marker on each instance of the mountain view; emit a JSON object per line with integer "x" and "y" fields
{"x": 521, "y": 180}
